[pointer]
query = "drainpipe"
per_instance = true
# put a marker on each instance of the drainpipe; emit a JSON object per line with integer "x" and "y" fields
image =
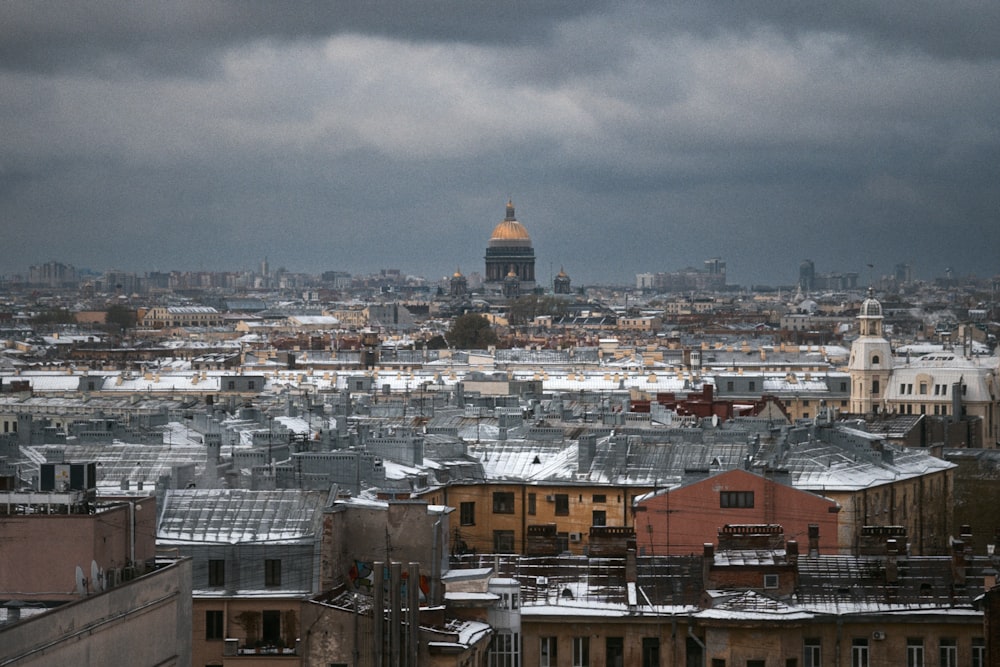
{"x": 700, "y": 643}
{"x": 435, "y": 563}
{"x": 131, "y": 532}
{"x": 836, "y": 645}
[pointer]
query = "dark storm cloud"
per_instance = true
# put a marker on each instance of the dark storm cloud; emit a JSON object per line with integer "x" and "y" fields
{"x": 633, "y": 137}
{"x": 176, "y": 36}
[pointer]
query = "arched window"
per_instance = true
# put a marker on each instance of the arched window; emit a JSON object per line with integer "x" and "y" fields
{"x": 874, "y": 358}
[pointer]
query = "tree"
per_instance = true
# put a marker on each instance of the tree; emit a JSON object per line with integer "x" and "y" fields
{"x": 526, "y": 308}
{"x": 436, "y": 343}
{"x": 52, "y": 317}
{"x": 471, "y": 332}
{"x": 119, "y": 318}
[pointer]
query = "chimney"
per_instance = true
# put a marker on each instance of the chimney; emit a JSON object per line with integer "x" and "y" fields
{"x": 965, "y": 534}
{"x": 792, "y": 552}
{"x": 630, "y": 566}
{"x": 586, "y": 450}
{"x": 891, "y": 561}
{"x": 958, "y": 562}
{"x": 813, "y": 540}
{"x": 707, "y": 561}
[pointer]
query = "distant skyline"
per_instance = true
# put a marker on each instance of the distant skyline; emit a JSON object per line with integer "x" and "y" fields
{"x": 632, "y": 138}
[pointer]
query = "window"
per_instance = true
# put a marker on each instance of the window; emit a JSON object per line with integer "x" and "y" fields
{"x": 650, "y": 652}
{"x": 902, "y": 388}
{"x": 614, "y": 652}
{"x": 508, "y": 601}
{"x": 272, "y": 572}
{"x": 978, "y": 652}
{"x": 875, "y": 359}
{"x": 875, "y": 387}
{"x": 914, "y": 653}
{"x": 599, "y": 498}
{"x": 843, "y": 386}
{"x": 503, "y": 502}
{"x": 742, "y": 499}
{"x": 812, "y": 652}
{"x": 532, "y": 504}
{"x": 718, "y": 662}
{"x": 213, "y": 625}
{"x": 505, "y": 650}
{"x": 562, "y": 504}
{"x": 270, "y": 626}
{"x": 805, "y": 403}
{"x": 752, "y": 386}
{"x": 231, "y": 384}
{"x": 859, "y": 653}
{"x": 467, "y": 513}
{"x": 251, "y": 385}
{"x": 770, "y": 581}
{"x": 948, "y": 653}
{"x": 756, "y": 663}
{"x": 600, "y": 518}
{"x": 937, "y": 390}
{"x": 581, "y": 651}
{"x": 923, "y": 388}
{"x": 729, "y": 385}
{"x": 216, "y": 572}
{"x": 503, "y": 541}
{"x": 547, "y": 652}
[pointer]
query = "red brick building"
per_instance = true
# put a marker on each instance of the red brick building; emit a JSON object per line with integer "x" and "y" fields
{"x": 680, "y": 521}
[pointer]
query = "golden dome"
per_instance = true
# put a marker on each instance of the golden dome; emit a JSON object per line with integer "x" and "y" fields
{"x": 509, "y": 228}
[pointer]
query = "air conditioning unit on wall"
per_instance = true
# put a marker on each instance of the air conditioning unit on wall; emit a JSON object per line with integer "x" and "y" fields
{"x": 575, "y": 537}
{"x": 878, "y": 635}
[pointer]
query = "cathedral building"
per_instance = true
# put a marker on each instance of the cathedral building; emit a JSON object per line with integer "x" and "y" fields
{"x": 951, "y": 383}
{"x": 510, "y": 257}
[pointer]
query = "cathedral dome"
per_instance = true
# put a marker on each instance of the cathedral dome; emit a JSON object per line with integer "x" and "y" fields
{"x": 509, "y": 230}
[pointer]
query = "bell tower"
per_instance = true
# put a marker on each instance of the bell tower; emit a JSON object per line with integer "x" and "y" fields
{"x": 870, "y": 365}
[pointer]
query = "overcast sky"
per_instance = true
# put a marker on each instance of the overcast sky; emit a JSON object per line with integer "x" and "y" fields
{"x": 632, "y": 137}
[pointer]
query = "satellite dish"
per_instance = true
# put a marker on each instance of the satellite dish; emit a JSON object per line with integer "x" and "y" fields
{"x": 81, "y": 581}
{"x": 96, "y": 576}
{"x": 715, "y": 420}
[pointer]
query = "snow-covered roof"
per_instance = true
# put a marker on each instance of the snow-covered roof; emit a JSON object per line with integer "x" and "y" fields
{"x": 236, "y": 516}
